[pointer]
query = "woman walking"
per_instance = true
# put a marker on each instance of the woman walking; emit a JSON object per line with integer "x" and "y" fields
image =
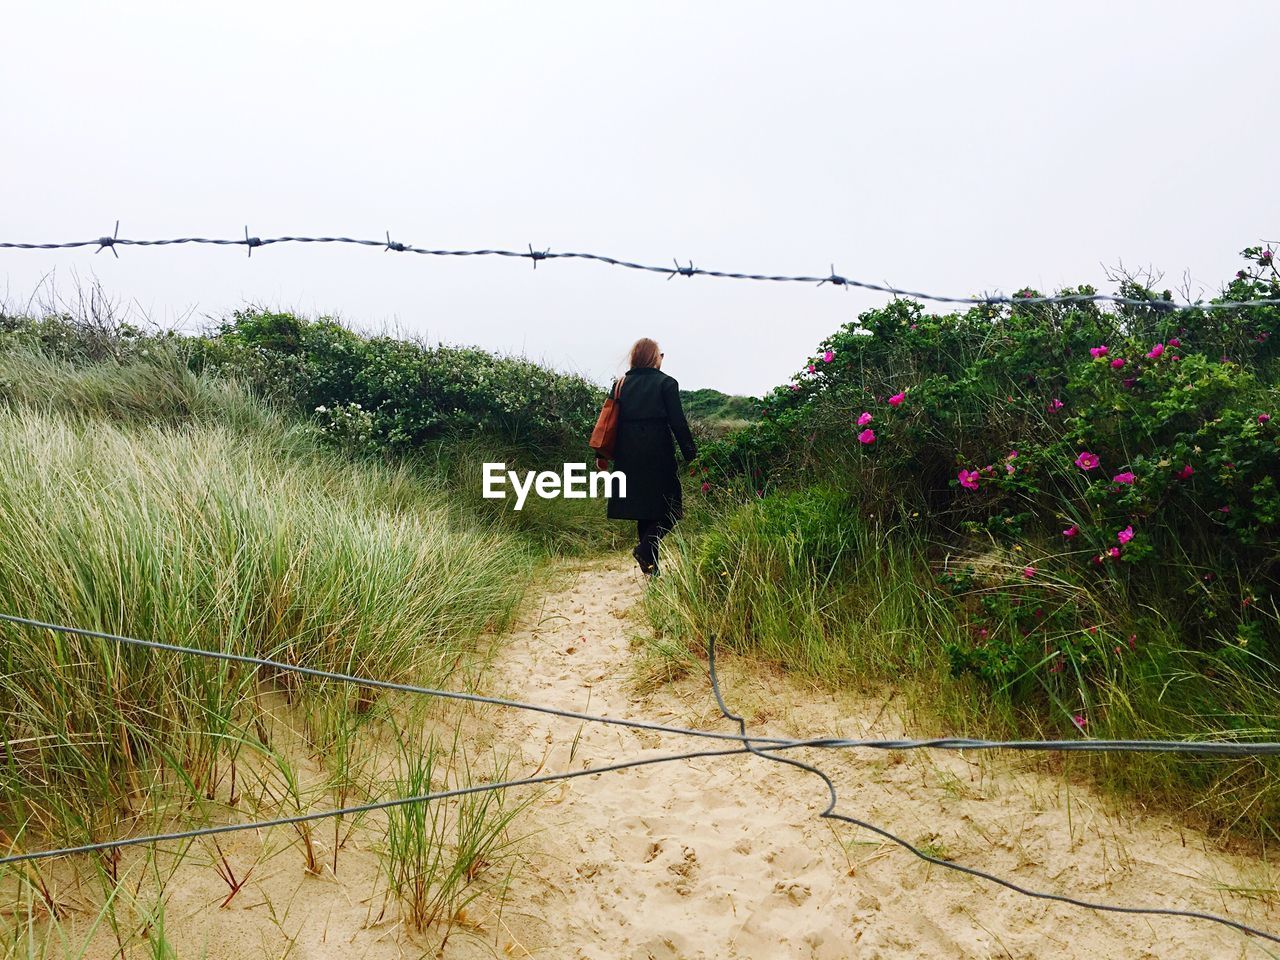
{"x": 649, "y": 414}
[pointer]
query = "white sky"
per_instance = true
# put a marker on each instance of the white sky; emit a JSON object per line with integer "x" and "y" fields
{"x": 947, "y": 147}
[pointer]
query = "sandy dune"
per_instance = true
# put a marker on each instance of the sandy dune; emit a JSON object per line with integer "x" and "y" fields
{"x": 726, "y": 857}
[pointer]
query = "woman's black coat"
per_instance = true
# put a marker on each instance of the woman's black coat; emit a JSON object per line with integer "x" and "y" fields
{"x": 649, "y": 413}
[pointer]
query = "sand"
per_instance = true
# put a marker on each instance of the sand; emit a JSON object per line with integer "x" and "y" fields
{"x": 723, "y": 857}
{"x": 727, "y": 857}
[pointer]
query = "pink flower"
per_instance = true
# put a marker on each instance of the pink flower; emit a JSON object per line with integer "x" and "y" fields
{"x": 1264, "y": 417}
{"x": 1087, "y": 460}
{"x": 867, "y": 436}
{"x": 795, "y": 386}
{"x": 1128, "y": 382}
{"x": 1175, "y": 342}
{"x": 1114, "y": 553}
{"x": 828, "y": 356}
{"x": 1080, "y": 720}
{"x": 897, "y": 398}
{"x": 864, "y": 419}
{"x": 1125, "y": 535}
{"x": 1127, "y": 478}
{"x": 969, "y": 479}
{"x": 1028, "y": 572}
{"x": 1117, "y": 363}
{"x": 706, "y": 487}
{"x": 1185, "y": 473}
{"x": 812, "y": 368}
{"x": 1096, "y": 352}
{"x": 1155, "y": 352}
{"x": 1071, "y": 531}
{"x": 1055, "y": 405}
{"x": 1008, "y": 468}
{"x": 1012, "y": 454}
{"x": 1224, "y": 509}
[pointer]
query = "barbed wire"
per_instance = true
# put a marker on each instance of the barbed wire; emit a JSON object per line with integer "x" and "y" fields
{"x": 766, "y": 747}
{"x": 115, "y": 241}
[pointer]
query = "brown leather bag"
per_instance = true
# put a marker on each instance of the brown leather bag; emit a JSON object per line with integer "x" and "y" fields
{"x": 605, "y": 435}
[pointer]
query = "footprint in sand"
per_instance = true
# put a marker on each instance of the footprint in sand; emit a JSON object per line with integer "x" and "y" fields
{"x": 686, "y": 872}
{"x": 797, "y": 893}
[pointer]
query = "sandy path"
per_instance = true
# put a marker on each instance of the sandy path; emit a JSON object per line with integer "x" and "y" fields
{"x": 726, "y": 857}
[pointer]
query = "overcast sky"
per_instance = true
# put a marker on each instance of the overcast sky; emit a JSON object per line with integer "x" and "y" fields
{"x": 948, "y": 147}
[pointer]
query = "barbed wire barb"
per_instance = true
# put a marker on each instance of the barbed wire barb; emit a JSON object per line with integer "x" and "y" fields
{"x": 249, "y": 241}
{"x": 109, "y": 243}
{"x": 835, "y": 278}
{"x": 683, "y": 271}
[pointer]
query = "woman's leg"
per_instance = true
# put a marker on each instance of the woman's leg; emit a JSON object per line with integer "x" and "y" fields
{"x": 646, "y": 550}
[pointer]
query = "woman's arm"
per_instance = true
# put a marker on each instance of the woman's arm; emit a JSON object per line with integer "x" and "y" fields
{"x": 676, "y": 419}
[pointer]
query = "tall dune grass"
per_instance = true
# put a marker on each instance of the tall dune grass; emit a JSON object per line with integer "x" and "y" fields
{"x": 140, "y": 497}
{"x": 205, "y": 536}
{"x": 157, "y": 389}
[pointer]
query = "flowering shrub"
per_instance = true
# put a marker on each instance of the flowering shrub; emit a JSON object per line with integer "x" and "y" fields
{"x": 1137, "y": 443}
{"x": 1011, "y": 626}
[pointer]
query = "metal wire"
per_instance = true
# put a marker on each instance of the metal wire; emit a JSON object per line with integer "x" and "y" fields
{"x": 830, "y": 814}
{"x": 1206, "y": 748}
{"x": 766, "y": 747}
{"x": 115, "y": 241}
{"x": 368, "y": 807}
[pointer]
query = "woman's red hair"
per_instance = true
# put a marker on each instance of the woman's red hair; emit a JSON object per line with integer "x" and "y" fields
{"x": 645, "y": 353}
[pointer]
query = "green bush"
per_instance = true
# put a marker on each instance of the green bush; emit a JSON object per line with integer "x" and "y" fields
{"x": 1131, "y": 450}
{"x": 384, "y": 396}
{"x": 708, "y": 404}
